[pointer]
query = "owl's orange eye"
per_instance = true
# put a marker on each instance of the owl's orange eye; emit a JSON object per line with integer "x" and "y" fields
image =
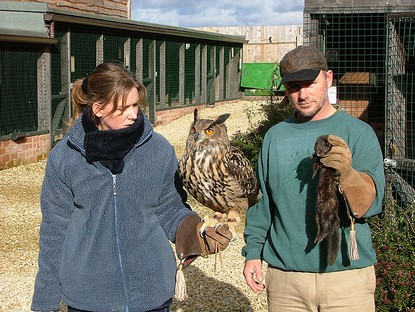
{"x": 209, "y": 131}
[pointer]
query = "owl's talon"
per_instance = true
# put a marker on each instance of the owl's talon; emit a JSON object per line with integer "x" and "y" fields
{"x": 217, "y": 220}
{"x": 232, "y": 227}
{"x": 220, "y": 216}
{"x": 208, "y": 221}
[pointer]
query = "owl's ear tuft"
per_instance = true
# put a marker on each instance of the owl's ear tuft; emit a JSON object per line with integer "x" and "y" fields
{"x": 220, "y": 120}
{"x": 195, "y": 117}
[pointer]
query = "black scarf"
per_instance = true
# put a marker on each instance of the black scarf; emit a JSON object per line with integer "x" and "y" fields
{"x": 110, "y": 146}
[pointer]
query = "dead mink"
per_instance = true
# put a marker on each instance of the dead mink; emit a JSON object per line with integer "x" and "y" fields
{"x": 327, "y": 203}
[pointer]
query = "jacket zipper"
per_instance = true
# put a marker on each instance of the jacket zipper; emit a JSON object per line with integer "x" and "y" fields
{"x": 120, "y": 260}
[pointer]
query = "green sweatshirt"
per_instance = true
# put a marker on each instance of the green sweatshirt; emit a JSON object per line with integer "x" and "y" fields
{"x": 281, "y": 228}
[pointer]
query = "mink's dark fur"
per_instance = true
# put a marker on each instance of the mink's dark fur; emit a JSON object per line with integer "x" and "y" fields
{"x": 327, "y": 204}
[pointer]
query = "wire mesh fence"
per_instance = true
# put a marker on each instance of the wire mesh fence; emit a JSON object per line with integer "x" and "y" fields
{"x": 18, "y": 81}
{"x": 400, "y": 107}
{"x": 371, "y": 53}
{"x": 355, "y": 46}
{"x": 176, "y": 73}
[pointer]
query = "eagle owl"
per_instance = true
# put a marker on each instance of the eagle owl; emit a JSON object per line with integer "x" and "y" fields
{"x": 217, "y": 174}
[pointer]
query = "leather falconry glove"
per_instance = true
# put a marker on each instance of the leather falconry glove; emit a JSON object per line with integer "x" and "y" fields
{"x": 190, "y": 243}
{"x": 358, "y": 187}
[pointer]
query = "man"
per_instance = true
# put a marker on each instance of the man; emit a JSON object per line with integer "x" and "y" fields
{"x": 281, "y": 229}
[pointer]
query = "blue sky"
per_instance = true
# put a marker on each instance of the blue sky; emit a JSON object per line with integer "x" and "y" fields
{"x": 202, "y": 13}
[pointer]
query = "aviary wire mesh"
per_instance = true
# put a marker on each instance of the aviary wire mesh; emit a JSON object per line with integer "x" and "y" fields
{"x": 372, "y": 56}
{"x": 400, "y": 107}
{"x": 355, "y": 46}
{"x": 18, "y": 90}
{"x": 175, "y": 73}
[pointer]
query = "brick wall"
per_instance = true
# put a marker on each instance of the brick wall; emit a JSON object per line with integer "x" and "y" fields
{"x": 23, "y": 151}
{"x": 116, "y": 8}
{"x": 166, "y": 116}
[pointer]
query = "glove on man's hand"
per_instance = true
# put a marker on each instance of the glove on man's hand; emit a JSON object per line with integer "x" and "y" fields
{"x": 338, "y": 158}
{"x": 358, "y": 186}
{"x": 190, "y": 243}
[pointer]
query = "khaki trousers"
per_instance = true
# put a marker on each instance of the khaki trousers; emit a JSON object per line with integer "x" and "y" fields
{"x": 351, "y": 291}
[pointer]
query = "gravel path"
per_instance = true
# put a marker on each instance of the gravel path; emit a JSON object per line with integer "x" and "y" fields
{"x": 209, "y": 290}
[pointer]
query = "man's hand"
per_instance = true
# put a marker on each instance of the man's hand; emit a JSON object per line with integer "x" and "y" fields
{"x": 338, "y": 158}
{"x": 358, "y": 187}
{"x": 253, "y": 275}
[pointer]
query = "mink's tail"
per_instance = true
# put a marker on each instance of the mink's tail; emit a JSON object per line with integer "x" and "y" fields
{"x": 333, "y": 243}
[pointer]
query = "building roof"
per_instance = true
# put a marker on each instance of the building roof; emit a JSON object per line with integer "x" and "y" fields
{"x": 29, "y": 21}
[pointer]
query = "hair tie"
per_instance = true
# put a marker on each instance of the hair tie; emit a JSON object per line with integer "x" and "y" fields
{"x": 85, "y": 84}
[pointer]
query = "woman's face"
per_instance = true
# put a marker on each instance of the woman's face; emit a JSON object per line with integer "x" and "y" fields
{"x": 122, "y": 117}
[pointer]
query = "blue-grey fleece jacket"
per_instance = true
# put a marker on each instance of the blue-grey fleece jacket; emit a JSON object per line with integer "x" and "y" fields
{"x": 104, "y": 238}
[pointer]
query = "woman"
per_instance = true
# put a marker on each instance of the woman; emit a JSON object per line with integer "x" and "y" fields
{"x": 111, "y": 200}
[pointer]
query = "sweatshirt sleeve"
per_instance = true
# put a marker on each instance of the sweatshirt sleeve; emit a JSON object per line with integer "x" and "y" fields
{"x": 367, "y": 157}
{"x": 258, "y": 217}
{"x": 56, "y": 206}
{"x": 172, "y": 203}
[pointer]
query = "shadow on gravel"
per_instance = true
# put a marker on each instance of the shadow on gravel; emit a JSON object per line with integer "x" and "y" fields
{"x": 207, "y": 294}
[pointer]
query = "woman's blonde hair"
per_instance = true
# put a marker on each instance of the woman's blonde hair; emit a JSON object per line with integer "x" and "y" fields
{"x": 108, "y": 83}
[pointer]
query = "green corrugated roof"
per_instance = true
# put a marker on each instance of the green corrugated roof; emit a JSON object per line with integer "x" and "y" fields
{"x": 260, "y": 76}
{"x": 23, "y": 19}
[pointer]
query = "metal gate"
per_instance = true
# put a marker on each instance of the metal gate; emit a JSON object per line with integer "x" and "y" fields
{"x": 400, "y": 108}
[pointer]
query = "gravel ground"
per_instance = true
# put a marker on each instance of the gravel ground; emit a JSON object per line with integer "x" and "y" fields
{"x": 209, "y": 290}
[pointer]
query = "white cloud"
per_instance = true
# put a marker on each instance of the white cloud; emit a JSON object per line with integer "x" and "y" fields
{"x": 156, "y": 16}
{"x": 202, "y": 13}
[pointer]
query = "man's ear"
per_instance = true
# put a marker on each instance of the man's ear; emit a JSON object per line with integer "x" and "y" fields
{"x": 329, "y": 78}
{"x": 96, "y": 109}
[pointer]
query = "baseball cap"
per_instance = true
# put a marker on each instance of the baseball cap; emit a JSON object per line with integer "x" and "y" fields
{"x": 302, "y": 64}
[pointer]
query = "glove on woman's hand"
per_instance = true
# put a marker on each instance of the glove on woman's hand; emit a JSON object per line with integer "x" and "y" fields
{"x": 215, "y": 239}
{"x": 190, "y": 243}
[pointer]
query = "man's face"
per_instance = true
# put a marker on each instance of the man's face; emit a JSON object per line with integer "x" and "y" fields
{"x": 310, "y": 98}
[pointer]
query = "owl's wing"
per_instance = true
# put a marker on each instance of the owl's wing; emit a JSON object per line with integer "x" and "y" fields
{"x": 240, "y": 168}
